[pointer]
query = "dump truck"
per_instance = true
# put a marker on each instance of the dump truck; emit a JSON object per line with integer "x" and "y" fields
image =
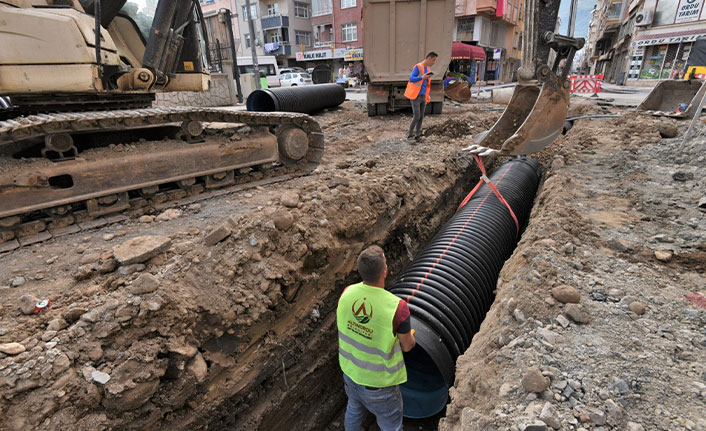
{"x": 398, "y": 35}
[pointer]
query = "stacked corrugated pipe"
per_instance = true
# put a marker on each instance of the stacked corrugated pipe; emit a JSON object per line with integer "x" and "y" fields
{"x": 307, "y": 99}
{"x": 449, "y": 286}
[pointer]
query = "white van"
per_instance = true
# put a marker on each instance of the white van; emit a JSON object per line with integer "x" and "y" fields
{"x": 267, "y": 65}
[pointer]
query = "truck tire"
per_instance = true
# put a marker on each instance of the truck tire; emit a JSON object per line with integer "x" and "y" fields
{"x": 372, "y": 110}
{"x": 436, "y": 107}
{"x": 381, "y": 108}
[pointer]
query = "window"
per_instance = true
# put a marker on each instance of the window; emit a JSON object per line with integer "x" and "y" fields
{"x": 253, "y": 12}
{"x": 349, "y": 32}
{"x": 275, "y": 37}
{"x": 321, "y": 7}
{"x": 347, "y": 3}
{"x": 267, "y": 69}
{"x": 272, "y": 9}
{"x": 466, "y": 26}
{"x": 302, "y": 37}
{"x": 301, "y": 10}
{"x": 247, "y": 40}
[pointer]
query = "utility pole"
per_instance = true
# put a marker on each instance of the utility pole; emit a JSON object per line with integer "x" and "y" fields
{"x": 253, "y": 38}
{"x": 572, "y": 17}
{"x": 236, "y": 72}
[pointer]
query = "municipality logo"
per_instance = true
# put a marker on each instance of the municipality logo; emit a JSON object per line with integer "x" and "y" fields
{"x": 363, "y": 311}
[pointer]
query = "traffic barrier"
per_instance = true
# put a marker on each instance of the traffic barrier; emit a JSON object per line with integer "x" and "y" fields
{"x": 586, "y": 83}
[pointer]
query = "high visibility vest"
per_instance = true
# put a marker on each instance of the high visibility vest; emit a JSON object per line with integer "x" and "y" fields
{"x": 368, "y": 351}
{"x": 413, "y": 88}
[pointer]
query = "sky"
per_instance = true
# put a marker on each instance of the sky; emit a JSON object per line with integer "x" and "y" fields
{"x": 583, "y": 17}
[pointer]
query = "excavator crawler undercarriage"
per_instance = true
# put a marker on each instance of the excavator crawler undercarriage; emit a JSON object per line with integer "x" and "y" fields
{"x": 52, "y": 173}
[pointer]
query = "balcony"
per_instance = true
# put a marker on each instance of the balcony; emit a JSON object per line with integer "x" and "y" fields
{"x": 283, "y": 48}
{"x": 274, "y": 21}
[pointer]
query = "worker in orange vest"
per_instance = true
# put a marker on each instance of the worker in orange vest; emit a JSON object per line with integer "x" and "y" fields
{"x": 418, "y": 92}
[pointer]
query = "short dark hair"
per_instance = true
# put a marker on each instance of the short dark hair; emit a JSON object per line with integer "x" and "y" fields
{"x": 431, "y": 54}
{"x": 371, "y": 264}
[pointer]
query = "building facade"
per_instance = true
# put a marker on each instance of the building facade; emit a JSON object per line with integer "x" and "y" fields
{"x": 495, "y": 26}
{"x": 338, "y": 36}
{"x": 640, "y": 42}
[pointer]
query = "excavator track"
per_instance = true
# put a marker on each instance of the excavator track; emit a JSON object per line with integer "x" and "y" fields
{"x": 43, "y": 199}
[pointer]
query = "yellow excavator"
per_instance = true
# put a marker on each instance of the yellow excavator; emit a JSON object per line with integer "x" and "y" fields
{"x": 79, "y": 137}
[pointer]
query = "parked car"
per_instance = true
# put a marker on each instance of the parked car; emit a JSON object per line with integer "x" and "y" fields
{"x": 348, "y": 81}
{"x": 291, "y": 70}
{"x": 294, "y": 79}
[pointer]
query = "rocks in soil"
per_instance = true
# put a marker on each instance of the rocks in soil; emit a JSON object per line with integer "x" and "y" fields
{"x": 145, "y": 283}
{"x": 668, "y": 130}
{"x": 549, "y": 416}
{"x": 100, "y": 377}
{"x": 637, "y": 308}
{"x": 12, "y": 348}
{"x": 17, "y": 281}
{"x": 663, "y": 255}
{"x": 140, "y": 249}
{"x": 198, "y": 367}
{"x": 577, "y": 313}
{"x": 27, "y": 303}
{"x": 566, "y": 294}
{"x": 683, "y": 176}
{"x": 57, "y": 324}
{"x": 170, "y": 214}
{"x": 534, "y": 381}
{"x": 218, "y": 234}
{"x": 290, "y": 199}
{"x": 146, "y": 219}
{"x": 283, "y": 220}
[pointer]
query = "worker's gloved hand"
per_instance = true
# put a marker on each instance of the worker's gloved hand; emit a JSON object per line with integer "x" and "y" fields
{"x": 412, "y": 332}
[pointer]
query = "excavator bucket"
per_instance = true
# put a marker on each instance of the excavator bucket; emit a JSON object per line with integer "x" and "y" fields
{"x": 458, "y": 91}
{"x": 669, "y": 98}
{"x": 532, "y": 120}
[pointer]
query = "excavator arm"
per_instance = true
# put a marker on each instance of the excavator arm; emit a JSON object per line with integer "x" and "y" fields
{"x": 537, "y": 110}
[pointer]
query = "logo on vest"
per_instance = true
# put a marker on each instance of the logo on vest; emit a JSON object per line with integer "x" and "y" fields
{"x": 362, "y": 311}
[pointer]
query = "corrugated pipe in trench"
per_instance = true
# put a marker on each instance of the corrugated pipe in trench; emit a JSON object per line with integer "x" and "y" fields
{"x": 449, "y": 285}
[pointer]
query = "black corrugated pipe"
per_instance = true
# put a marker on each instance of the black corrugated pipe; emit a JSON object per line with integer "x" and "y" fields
{"x": 308, "y": 99}
{"x": 449, "y": 285}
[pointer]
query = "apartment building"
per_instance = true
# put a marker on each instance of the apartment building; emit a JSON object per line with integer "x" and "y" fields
{"x": 217, "y": 29}
{"x": 338, "y": 36}
{"x": 495, "y": 26}
{"x": 643, "y": 41}
{"x": 282, "y": 27}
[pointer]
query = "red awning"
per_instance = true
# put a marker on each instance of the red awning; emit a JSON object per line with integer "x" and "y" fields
{"x": 464, "y": 51}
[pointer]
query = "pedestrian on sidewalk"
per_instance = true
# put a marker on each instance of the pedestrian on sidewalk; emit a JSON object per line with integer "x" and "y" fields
{"x": 418, "y": 92}
{"x": 373, "y": 330}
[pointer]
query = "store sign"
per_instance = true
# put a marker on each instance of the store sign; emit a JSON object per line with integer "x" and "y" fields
{"x": 497, "y": 53}
{"x": 688, "y": 11}
{"x": 668, "y": 40}
{"x": 321, "y": 54}
{"x": 354, "y": 55}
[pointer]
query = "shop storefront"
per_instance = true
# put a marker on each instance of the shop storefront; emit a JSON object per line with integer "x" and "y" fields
{"x": 468, "y": 60}
{"x": 344, "y": 62}
{"x": 661, "y": 58}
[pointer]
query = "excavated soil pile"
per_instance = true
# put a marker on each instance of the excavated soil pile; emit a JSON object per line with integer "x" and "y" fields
{"x": 599, "y": 319}
{"x": 219, "y": 313}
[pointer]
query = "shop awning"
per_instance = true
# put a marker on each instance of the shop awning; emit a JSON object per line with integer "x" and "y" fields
{"x": 464, "y": 51}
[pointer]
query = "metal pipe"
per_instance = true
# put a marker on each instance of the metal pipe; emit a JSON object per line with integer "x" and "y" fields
{"x": 307, "y": 99}
{"x": 449, "y": 286}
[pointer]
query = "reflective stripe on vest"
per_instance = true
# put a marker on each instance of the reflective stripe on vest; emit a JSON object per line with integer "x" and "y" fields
{"x": 413, "y": 88}
{"x": 368, "y": 350}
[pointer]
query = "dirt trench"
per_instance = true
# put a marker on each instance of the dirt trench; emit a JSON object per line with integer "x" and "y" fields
{"x": 230, "y": 334}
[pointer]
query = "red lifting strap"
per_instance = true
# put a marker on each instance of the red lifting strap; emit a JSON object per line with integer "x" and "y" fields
{"x": 484, "y": 179}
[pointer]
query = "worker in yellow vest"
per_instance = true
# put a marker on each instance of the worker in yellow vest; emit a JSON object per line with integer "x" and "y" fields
{"x": 418, "y": 92}
{"x": 373, "y": 330}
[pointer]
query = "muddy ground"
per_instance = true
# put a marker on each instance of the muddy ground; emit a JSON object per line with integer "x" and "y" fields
{"x": 197, "y": 333}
